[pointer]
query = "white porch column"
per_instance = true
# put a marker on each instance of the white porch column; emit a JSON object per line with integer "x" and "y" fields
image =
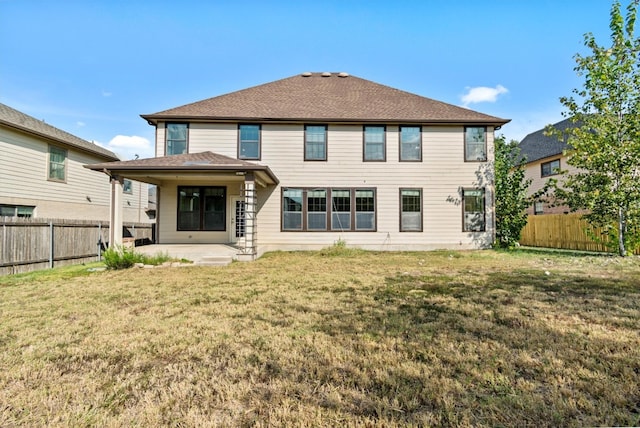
{"x": 250, "y": 207}
{"x": 115, "y": 212}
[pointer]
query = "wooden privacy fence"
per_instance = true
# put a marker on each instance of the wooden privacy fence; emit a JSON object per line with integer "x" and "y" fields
{"x": 28, "y": 244}
{"x": 565, "y": 231}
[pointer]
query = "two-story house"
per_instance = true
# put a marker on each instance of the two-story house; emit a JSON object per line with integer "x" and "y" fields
{"x": 317, "y": 158}
{"x": 545, "y": 158}
{"x": 42, "y": 174}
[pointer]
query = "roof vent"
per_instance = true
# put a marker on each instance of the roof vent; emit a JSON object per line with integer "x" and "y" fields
{"x": 343, "y": 74}
{"x": 326, "y": 74}
{"x": 306, "y": 74}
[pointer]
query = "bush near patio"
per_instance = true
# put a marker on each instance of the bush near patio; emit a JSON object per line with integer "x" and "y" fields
{"x": 328, "y": 338}
{"x": 125, "y": 257}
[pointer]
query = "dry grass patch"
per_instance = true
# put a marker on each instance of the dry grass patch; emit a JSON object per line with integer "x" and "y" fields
{"x": 332, "y": 338}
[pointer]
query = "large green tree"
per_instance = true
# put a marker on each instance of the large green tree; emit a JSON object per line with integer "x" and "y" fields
{"x": 511, "y": 193}
{"x": 604, "y": 144}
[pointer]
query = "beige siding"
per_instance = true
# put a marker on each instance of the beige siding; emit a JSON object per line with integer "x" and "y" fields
{"x": 168, "y": 220}
{"x": 221, "y": 138}
{"x": 135, "y": 203}
{"x": 160, "y": 139}
{"x": 84, "y": 195}
{"x": 441, "y": 175}
{"x": 533, "y": 171}
{"x": 203, "y": 135}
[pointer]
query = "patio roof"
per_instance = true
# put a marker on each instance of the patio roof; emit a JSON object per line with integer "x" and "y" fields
{"x": 153, "y": 170}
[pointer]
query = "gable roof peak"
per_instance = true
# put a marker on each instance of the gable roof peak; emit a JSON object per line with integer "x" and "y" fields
{"x": 327, "y": 97}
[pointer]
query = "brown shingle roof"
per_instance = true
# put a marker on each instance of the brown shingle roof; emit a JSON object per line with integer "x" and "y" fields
{"x": 18, "y": 120}
{"x": 325, "y": 98}
{"x": 204, "y": 161}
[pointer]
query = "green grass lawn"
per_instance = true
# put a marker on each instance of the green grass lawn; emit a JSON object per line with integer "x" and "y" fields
{"x": 331, "y": 338}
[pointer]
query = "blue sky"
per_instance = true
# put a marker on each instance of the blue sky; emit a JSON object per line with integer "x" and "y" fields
{"x": 91, "y": 67}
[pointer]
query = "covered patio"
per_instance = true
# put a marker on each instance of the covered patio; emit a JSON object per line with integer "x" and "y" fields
{"x": 188, "y": 180}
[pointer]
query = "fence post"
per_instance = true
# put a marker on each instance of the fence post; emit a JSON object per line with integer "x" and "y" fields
{"x": 4, "y": 242}
{"x": 50, "y": 245}
{"x": 99, "y": 244}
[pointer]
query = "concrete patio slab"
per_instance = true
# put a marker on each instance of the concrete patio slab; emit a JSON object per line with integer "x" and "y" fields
{"x": 199, "y": 254}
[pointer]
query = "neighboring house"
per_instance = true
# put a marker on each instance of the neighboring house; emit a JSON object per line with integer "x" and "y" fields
{"x": 319, "y": 158}
{"x": 41, "y": 174}
{"x": 545, "y": 158}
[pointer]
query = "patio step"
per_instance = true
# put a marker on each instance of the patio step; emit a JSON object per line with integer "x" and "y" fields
{"x": 214, "y": 261}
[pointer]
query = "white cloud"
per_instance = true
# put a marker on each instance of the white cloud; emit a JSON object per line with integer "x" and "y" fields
{"x": 127, "y": 147}
{"x": 483, "y": 94}
{"x": 106, "y": 93}
{"x": 80, "y": 124}
{"x": 129, "y": 142}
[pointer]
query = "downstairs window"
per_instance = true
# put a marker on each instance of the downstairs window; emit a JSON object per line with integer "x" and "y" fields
{"x": 16, "y": 211}
{"x": 473, "y": 210}
{"x": 202, "y": 208}
{"x": 326, "y": 209}
{"x": 410, "y": 210}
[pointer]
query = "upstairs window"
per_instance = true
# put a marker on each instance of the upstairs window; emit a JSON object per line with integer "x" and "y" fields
{"x": 374, "y": 144}
{"x": 315, "y": 142}
{"x": 550, "y": 168}
{"x": 249, "y": 142}
{"x": 410, "y": 143}
{"x": 176, "y": 138}
{"x": 475, "y": 144}
{"x": 57, "y": 164}
{"x": 473, "y": 209}
{"x": 127, "y": 186}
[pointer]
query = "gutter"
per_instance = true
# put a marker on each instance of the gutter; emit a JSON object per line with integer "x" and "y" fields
{"x": 153, "y": 120}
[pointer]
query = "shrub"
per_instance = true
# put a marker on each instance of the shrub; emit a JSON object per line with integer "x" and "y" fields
{"x": 156, "y": 259}
{"x": 123, "y": 258}
{"x": 119, "y": 257}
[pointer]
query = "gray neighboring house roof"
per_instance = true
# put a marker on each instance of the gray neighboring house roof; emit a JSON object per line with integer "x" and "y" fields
{"x": 324, "y": 97}
{"x": 537, "y": 145}
{"x": 15, "y": 119}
